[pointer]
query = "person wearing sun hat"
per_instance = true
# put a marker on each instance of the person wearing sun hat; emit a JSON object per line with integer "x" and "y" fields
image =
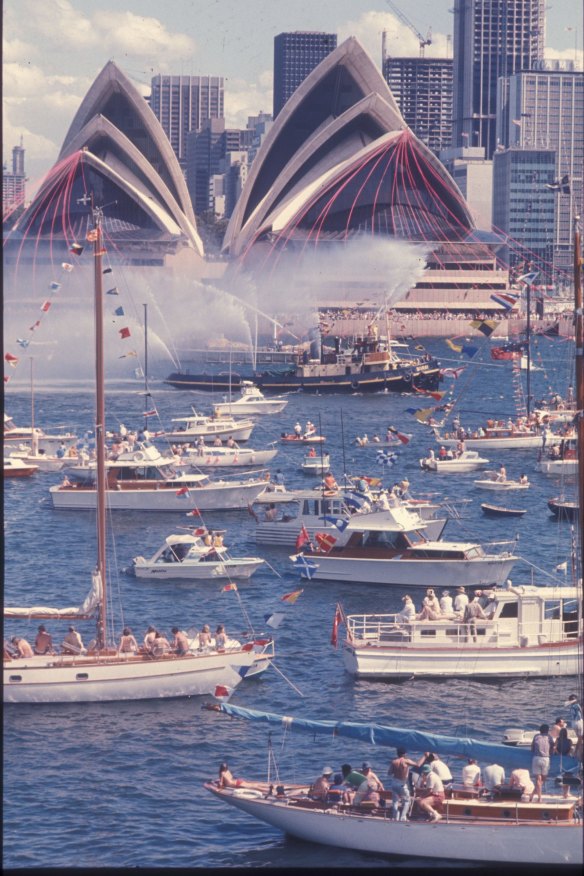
{"x": 429, "y": 792}
{"x": 460, "y": 600}
{"x": 320, "y": 788}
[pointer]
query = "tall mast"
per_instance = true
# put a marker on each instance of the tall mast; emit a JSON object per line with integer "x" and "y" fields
{"x": 528, "y": 335}
{"x": 147, "y": 406}
{"x": 579, "y": 343}
{"x": 100, "y": 422}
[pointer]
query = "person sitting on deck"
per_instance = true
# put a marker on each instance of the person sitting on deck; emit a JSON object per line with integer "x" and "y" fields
{"x": 161, "y": 645}
{"x": 429, "y": 792}
{"x": 205, "y": 636}
{"x": 22, "y": 646}
{"x": 150, "y": 638}
{"x": 320, "y": 788}
{"x": 408, "y": 612}
{"x": 312, "y": 453}
{"x": 430, "y": 607}
{"x": 368, "y": 790}
{"x": 72, "y": 643}
{"x": 502, "y": 475}
{"x": 220, "y": 637}
{"x": 128, "y": 644}
{"x": 43, "y": 644}
{"x": 471, "y": 774}
{"x": 180, "y": 643}
{"x": 271, "y": 513}
{"x": 330, "y": 482}
{"x": 217, "y": 442}
{"x": 446, "y": 604}
{"x": 227, "y": 780}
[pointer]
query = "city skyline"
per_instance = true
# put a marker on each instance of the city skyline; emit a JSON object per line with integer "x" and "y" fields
{"x": 52, "y": 55}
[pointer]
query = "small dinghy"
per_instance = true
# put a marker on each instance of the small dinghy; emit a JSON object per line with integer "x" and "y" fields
{"x": 499, "y": 511}
{"x": 193, "y": 557}
{"x": 494, "y": 481}
{"x": 316, "y": 464}
{"x": 292, "y": 438}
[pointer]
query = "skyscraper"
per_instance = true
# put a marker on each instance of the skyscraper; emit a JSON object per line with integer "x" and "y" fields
{"x": 422, "y": 88}
{"x": 295, "y": 56}
{"x": 544, "y": 109}
{"x": 492, "y": 38}
{"x": 13, "y": 183}
{"x": 183, "y": 103}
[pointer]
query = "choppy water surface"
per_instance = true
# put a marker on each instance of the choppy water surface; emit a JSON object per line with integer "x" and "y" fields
{"x": 120, "y": 784}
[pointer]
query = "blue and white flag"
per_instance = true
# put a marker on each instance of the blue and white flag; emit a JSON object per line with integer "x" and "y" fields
{"x": 385, "y": 457}
{"x": 339, "y": 522}
{"x": 274, "y": 620}
{"x": 355, "y": 500}
{"x": 528, "y": 278}
{"x": 307, "y": 567}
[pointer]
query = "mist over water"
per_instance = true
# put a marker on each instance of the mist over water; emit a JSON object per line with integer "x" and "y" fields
{"x": 185, "y": 313}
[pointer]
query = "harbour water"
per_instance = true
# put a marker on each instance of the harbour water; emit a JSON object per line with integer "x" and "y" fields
{"x": 119, "y": 785}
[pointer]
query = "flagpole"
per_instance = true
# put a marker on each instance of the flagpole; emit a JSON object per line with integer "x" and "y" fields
{"x": 528, "y": 333}
{"x": 343, "y": 445}
{"x": 146, "y": 392}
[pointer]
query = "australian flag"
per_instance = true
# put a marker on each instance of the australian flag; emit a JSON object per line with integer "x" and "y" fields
{"x": 339, "y": 522}
{"x": 307, "y": 567}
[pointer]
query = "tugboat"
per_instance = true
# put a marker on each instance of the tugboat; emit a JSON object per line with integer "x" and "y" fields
{"x": 370, "y": 365}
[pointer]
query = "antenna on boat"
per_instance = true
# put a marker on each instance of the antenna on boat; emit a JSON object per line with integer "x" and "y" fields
{"x": 343, "y": 446}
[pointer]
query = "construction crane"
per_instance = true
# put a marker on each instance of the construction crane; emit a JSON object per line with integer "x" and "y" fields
{"x": 423, "y": 41}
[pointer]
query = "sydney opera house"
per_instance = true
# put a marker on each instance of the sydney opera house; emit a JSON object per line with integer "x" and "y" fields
{"x": 338, "y": 166}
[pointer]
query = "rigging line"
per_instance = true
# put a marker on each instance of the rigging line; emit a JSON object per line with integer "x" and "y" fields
{"x": 286, "y": 679}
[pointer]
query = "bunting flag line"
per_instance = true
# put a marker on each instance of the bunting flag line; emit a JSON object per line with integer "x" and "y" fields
{"x": 107, "y": 271}
{"x": 22, "y": 342}
{"x": 113, "y": 290}
{"x": 222, "y": 692}
{"x": 129, "y": 355}
{"x": 151, "y": 413}
{"x": 528, "y": 279}
{"x": 354, "y": 501}
{"x": 35, "y": 325}
{"x": 12, "y": 360}
{"x": 452, "y": 372}
{"x": 194, "y": 513}
{"x": 91, "y": 235}
{"x": 184, "y": 491}
{"x": 76, "y": 249}
{"x": 422, "y": 415}
{"x": 67, "y": 267}
{"x": 307, "y": 567}
{"x": 124, "y": 333}
{"x": 485, "y": 326}
{"x": 340, "y": 523}
{"x": 231, "y": 586}
{"x": 386, "y": 457}
{"x": 290, "y": 598}
{"x": 405, "y": 439}
{"x": 119, "y": 311}
{"x": 54, "y": 286}
{"x": 45, "y": 306}
{"x": 325, "y": 541}
{"x": 456, "y": 347}
{"x": 274, "y": 620}
{"x": 507, "y": 300}
{"x": 302, "y": 539}
{"x": 437, "y": 395}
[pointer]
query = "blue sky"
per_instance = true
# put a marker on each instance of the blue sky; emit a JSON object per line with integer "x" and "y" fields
{"x": 53, "y": 50}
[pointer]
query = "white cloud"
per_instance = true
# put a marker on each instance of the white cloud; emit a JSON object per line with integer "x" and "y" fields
{"x": 400, "y": 40}
{"x": 243, "y": 99}
{"x": 139, "y": 36}
{"x": 17, "y": 49}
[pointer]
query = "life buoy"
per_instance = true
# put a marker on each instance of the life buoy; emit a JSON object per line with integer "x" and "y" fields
{"x": 355, "y": 384}
{"x": 251, "y": 793}
{"x": 139, "y": 456}
{"x": 408, "y": 376}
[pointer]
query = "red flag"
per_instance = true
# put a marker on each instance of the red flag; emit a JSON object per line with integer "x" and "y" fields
{"x": 91, "y": 235}
{"x": 437, "y": 395}
{"x": 335, "y": 631}
{"x": 76, "y": 249}
{"x": 200, "y": 531}
{"x": 403, "y": 438}
{"x": 35, "y": 325}
{"x": 230, "y": 586}
{"x": 184, "y": 491}
{"x": 222, "y": 692}
{"x": 194, "y": 513}
{"x": 125, "y": 332}
{"x": 303, "y": 538}
{"x": 325, "y": 541}
{"x": 12, "y": 360}
{"x": 45, "y": 306}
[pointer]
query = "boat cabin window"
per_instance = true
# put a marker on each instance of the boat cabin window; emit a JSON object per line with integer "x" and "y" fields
{"x": 375, "y": 538}
{"x": 552, "y": 609}
{"x": 423, "y": 553}
{"x": 509, "y": 609}
{"x": 140, "y": 473}
{"x": 474, "y": 553}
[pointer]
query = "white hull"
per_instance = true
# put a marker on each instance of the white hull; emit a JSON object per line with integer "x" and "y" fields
{"x": 266, "y": 406}
{"x": 221, "y": 497}
{"x": 517, "y": 442}
{"x": 82, "y": 680}
{"x": 451, "y": 466}
{"x": 414, "y": 573}
{"x": 49, "y": 443}
{"x": 238, "y": 433}
{"x": 482, "y": 661}
{"x": 285, "y": 532}
{"x": 201, "y": 571}
{"x": 227, "y": 458}
{"x": 460, "y": 840}
{"x": 500, "y": 486}
{"x": 565, "y": 467}
{"x": 42, "y": 461}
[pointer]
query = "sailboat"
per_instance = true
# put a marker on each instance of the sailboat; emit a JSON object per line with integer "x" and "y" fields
{"x": 490, "y": 828}
{"x": 101, "y": 673}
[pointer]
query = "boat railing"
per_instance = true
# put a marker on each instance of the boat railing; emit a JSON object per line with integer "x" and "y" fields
{"x": 379, "y": 630}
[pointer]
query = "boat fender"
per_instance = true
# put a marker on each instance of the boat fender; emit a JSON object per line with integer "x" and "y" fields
{"x": 139, "y": 456}
{"x": 408, "y": 376}
{"x": 251, "y": 793}
{"x": 355, "y": 384}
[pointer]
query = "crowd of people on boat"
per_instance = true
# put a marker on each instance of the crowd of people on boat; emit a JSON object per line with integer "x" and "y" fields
{"x": 155, "y": 643}
{"x": 416, "y": 788}
{"x": 461, "y": 607}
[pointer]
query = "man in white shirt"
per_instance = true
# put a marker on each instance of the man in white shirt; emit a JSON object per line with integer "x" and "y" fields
{"x": 441, "y": 769}
{"x": 460, "y": 600}
{"x": 446, "y": 605}
{"x": 493, "y": 775}
{"x": 471, "y": 774}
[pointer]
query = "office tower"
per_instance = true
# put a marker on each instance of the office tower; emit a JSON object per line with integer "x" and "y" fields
{"x": 473, "y": 174}
{"x": 183, "y": 103}
{"x": 523, "y": 206}
{"x": 295, "y": 56}
{"x": 544, "y": 109}
{"x": 422, "y": 88}
{"x": 205, "y": 151}
{"x": 14, "y": 183}
{"x": 492, "y": 38}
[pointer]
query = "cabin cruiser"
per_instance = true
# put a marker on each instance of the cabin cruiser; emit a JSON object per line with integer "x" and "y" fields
{"x": 15, "y": 436}
{"x": 529, "y": 630}
{"x": 196, "y": 556}
{"x": 251, "y": 401}
{"x": 559, "y": 459}
{"x": 465, "y": 461}
{"x": 314, "y": 513}
{"x": 145, "y": 480}
{"x": 500, "y": 435}
{"x": 316, "y": 464}
{"x": 200, "y": 426}
{"x": 210, "y": 456}
{"x": 18, "y": 468}
{"x": 391, "y": 548}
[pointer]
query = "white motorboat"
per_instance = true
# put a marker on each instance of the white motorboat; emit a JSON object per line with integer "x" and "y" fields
{"x": 18, "y": 468}
{"x": 559, "y": 459}
{"x": 494, "y": 481}
{"x": 316, "y": 464}
{"x": 193, "y": 557}
{"x": 390, "y": 548}
{"x": 145, "y": 480}
{"x": 499, "y": 437}
{"x": 215, "y": 427}
{"x": 14, "y": 436}
{"x": 251, "y": 401}
{"x": 208, "y": 456}
{"x": 497, "y": 827}
{"x": 530, "y": 631}
{"x": 524, "y": 738}
{"x": 467, "y": 460}
{"x": 314, "y": 513}
{"x": 44, "y": 461}
{"x": 102, "y": 672}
